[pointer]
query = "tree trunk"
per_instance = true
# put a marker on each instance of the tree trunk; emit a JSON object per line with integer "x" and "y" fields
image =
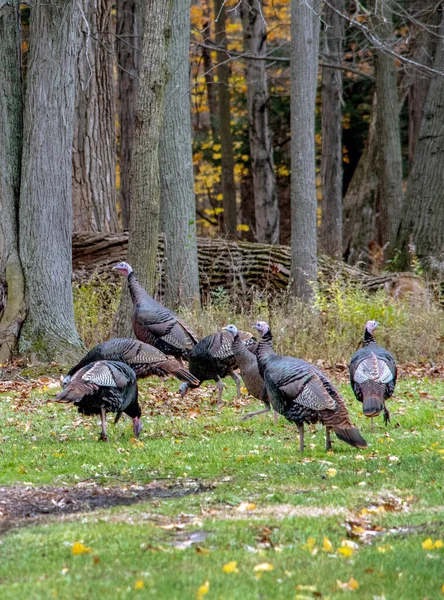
{"x": 422, "y": 219}
{"x": 331, "y": 159}
{"x": 304, "y": 68}
{"x": 261, "y": 149}
{"x": 145, "y": 184}
{"x": 226, "y": 141}
{"x": 389, "y": 199}
{"x": 45, "y": 197}
{"x": 178, "y": 204}
{"x": 94, "y": 155}
{"x": 12, "y": 285}
{"x": 127, "y": 78}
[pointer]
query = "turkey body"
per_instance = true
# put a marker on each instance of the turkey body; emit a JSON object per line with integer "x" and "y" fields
{"x": 303, "y": 394}
{"x": 145, "y": 360}
{"x": 101, "y": 387}
{"x": 373, "y": 376}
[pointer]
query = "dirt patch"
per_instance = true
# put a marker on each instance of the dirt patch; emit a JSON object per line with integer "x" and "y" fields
{"x": 22, "y": 505}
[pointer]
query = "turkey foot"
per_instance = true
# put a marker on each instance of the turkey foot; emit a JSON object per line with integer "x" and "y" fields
{"x": 386, "y": 415}
{"x": 301, "y": 437}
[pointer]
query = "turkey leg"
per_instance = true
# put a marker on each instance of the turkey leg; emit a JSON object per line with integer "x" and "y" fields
{"x": 220, "y": 387}
{"x": 257, "y": 412}
{"x": 237, "y": 381}
{"x": 327, "y": 439}
{"x": 103, "y": 435}
{"x": 301, "y": 437}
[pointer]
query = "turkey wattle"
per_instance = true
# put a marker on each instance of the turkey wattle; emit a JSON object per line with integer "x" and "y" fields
{"x": 155, "y": 324}
{"x": 303, "y": 394}
{"x": 101, "y": 387}
{"x": 373, "y": 375}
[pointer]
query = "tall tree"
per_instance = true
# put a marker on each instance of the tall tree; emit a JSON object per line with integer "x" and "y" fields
{"x": 127, "y": 82}
{"x": 389, "y": 198}
{"x": 12, "y": 286}
{"x": 261, "y": 149}
{"x": 331, "y": 119}
{"x": 45, "y": 196}
{"x": 178, "y": 204}
{"x": 304, "y": 68}
{"x": 422, "y": 220}
{"x": 145, "y": 177}
{"x": 94, "y": 156}
{"x": 226, "y": 140}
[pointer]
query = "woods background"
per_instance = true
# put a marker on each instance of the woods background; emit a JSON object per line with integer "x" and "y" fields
{"x": 314, "y": 125}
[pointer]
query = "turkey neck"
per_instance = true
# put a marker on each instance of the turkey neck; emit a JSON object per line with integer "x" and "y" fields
{"x": 264, "y": 350}
{"x": 138, "y": 294}
{"x": 242, "y": 355}
{"x": 368, "y": 338}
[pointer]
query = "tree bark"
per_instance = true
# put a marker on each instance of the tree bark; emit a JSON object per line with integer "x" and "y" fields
{"x": 145, "y": 179}
{"x": 49, "y": 331}
{"x": 226, "y": 141}
{"x": 178, "y": 204}
{"x": 127, "y": 82}
{"x": 331, "y": 118}
{"x": 304, "y": 68}
{"x": 12, "y": 285}
{"x": 94, "y": 154}
{"x": 261, "y": 149}
{"x": 389, "y": 199}
{"x": 422, "y": 220}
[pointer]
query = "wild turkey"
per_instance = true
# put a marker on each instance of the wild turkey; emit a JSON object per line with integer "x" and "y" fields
{"x": 101, "y": 387}
{"x": 373, "y": 375}
{"x": 155, "y": 324}
{"x": 212, "y": 358}
{"x": 303, "y": 394}
{"x": 247, "y": 362}
{"x": 145, "y": 360}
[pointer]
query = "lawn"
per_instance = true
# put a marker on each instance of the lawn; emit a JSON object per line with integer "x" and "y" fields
{"x": 206, "y": 506}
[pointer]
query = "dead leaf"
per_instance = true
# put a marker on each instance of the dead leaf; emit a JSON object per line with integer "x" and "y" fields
{"x": 350, "y": 585}
{"x": 203, "y": 590}
{"x": 230, "y": 567}
{"x": 79, "y": 548}
{"x": 139, "y": 585}
{"x": 263, "y": 567}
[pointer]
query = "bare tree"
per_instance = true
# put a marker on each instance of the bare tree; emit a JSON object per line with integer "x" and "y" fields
{"x": 422, "y": 221}
{"x": 94, "y": 155}
{"x": 261, "y": 149}
{"x": 331, "y": 118}
{"x": 178, "y": 204}
{"x": 304, "y": 67}
{"x": 45, "y": 196}
{"x": 145, "y": 177}
{"x": 226, "y": 141}
{"x": 127, "y": 82}
{"x": 12, "y": 285}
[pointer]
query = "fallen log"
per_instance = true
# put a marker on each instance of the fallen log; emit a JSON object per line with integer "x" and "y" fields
{"x": 234, "y": 266}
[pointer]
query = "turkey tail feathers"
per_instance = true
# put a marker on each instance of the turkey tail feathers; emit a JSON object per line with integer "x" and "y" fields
{"x": 185, "y": 375}
{"x": 372, "y": 406}
{"x": 351, "y": 436}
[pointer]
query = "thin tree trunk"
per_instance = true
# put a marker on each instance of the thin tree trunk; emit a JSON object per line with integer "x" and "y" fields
{"x": 331, "y": 159}
{"x": 178, "y": 204}
{"x": 261, "y": 149}
{"x": 390, "y": 198}
{"x": 94, "y": 155}
{"x": 12, "y": 285}
{"x": 45, "y": 197}
{"x": 304, "y": 68}
{"x": 226, "y": 141}
{"x": 422, "y": 220}
{"x": 145, "y": 179}
{"x": 127, "y": 78}
{"x": 211, "y": 96}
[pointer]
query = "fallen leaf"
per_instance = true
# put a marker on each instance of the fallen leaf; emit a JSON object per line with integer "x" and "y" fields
{"x": 139, "y": 585}
{"x": 327, "y": 546}
{"x": 230, "y": 567}
{"x": 79, "y": 548}
{"x": 309, "y": 544}
{"x": 347, "y": 552}
{"x": 427, "y": 544}
{"x": 385, "y": 548}
{"x": 306, "y": 588}
{"x": 203, "y": 551}
{"x": 263, "y": 567}
{"x": 246, "y": 506}
{"x": 203, "y": 590}
{"x": 332, "y": 472}
{"x": 351, "y": 585}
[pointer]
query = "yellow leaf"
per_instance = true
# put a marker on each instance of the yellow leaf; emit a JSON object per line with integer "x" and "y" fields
{"x": 230, "y": 567}
{"x": 203, "y": 590}
{"x": 327, "y": 546}
{"x": 79, "y": 548}
{"x": 440, "y": 451}
{"x": 347, "y": 552}
{"x": 438, "y": 544}
{"x": 442, "y": 589}
{"x": 243, "y": 227}
{"x": 332, "y": 472}
{"x": 352, "y": 585}
{"x": 246, "y": 506}
{"x": 385, "y": 548}
{"x": 263, "y": 567}
{"x": 139, "y": 585}
{"x": 427, "y": 544}
{"x": 358, "y": 529}
{"x": 309, "y": 544}
{"x": 306, "y": 588}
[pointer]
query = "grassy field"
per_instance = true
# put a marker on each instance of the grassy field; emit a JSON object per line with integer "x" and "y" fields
{"x": 235, "y": 511}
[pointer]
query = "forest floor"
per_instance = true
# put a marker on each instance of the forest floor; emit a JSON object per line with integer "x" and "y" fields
{"x": 205, "y": 506}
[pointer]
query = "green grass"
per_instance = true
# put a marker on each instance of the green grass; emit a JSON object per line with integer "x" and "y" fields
{"x": 290, "y": 498}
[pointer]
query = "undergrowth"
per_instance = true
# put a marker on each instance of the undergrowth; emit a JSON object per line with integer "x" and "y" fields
{"x": 330, "y": 331}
